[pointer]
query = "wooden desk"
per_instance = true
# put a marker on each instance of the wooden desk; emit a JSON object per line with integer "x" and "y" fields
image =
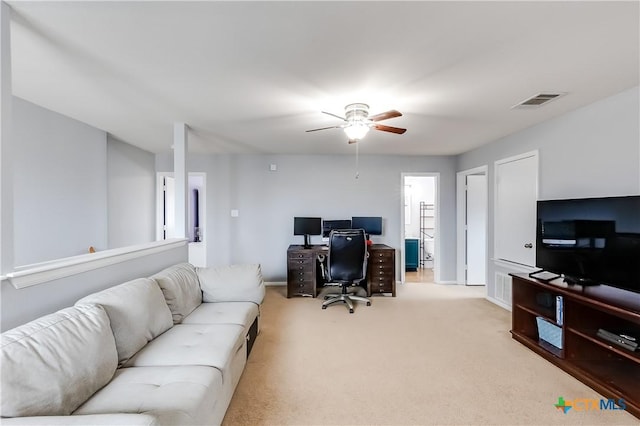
{"x": 304, "y": 275}
{"x": 381, "y": 270}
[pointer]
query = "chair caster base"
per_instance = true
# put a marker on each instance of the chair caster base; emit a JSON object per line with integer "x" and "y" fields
{"x": 350, "y": 311}
{"x": 324, "y": 307}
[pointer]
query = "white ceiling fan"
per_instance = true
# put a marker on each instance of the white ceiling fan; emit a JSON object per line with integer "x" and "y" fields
{"x": 357, "y": 121}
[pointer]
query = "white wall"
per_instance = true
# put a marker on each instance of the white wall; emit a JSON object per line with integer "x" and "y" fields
{"x": 75, "y": 187}
{"x": 59, "y": 185}
{"x": 307, "y": 185}
{"x": 593, "y": 151}
{"x": 131, "y": 181}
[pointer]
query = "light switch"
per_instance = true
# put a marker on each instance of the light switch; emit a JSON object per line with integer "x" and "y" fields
{"x": 234, "y": 213}
{"x": 273, "y": 167}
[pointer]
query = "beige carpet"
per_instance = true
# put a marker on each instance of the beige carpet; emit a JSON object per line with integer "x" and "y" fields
{"x": 434, "y": 355}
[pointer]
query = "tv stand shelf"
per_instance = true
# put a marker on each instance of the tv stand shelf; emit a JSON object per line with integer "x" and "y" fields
{"x": 612, "y": 371}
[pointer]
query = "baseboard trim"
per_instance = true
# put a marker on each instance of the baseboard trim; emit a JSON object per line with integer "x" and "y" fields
{"x": 499, "y": 303}
{"x": 275, "y": 283}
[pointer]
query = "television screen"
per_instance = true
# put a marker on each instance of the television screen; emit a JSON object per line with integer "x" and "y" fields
{"x": 307, "y": 226}
{"x": 371, "y": 225}
{"x": 328, "y": 225}
{"x": 591, "y": 240}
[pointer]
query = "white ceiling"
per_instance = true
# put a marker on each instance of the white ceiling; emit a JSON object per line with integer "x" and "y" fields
{"x": 251, "y": 77}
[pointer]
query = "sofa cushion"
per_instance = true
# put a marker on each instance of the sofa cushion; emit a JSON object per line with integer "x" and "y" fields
{"x": 181, "y": 289}
{"x": 92, "y": 419}
{"x": 137, "y": 311}
{"x": 232, "y": 283}
{"x": 242, "y": 313}
{"x": 181, "y": 395}
{"x": 53, "y": 364}
{"x": 213, "y": 345}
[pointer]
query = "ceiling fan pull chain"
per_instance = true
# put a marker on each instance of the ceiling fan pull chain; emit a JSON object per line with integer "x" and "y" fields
{"x": 357, "y": 161}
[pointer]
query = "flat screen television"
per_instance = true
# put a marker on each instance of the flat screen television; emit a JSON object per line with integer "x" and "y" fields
{"x": 329, "y": 225}
{"x": 371, "y": 225}
{"x": 591, "y": 241}
{"x": 307, "y": 226}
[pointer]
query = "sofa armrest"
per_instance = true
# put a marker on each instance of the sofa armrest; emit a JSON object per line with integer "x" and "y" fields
{"x": 115, "y": 419}
{"x": 232, "y": 283}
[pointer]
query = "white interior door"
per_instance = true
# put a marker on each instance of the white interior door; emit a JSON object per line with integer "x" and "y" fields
{"x": 476, "y": 227}
{"x": 515, "y": 209}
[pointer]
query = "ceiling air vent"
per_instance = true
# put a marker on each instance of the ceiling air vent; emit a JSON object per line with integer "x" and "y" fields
{"x": 538, "y": 100}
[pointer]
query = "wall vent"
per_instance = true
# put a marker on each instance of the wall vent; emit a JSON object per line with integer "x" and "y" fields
{"x": 538, "y": 100}
{"x": 503, "y": 288}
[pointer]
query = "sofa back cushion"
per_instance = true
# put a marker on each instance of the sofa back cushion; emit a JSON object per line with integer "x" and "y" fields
{"x": 181, "y": 289}
{"x": 137, "y": 311}
{"x": 51, "y": 365}
{"x": 232, "y": 283}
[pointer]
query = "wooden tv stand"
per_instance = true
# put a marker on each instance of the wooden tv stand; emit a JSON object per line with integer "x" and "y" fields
{"x": 612, "y": 371}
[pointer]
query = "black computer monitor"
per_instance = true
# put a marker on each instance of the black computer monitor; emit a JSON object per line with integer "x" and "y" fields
{"x": 329, "y": 225}
{"x": 307, "y": 226}
{"x": 372, "y": 225}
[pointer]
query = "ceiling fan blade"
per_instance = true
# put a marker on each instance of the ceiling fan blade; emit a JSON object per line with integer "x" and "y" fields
{"x": 333, "y": 115}
{"x": 323, "y": 128}
{"x": 391, "y": 129}
{"x": 386, "y": 115}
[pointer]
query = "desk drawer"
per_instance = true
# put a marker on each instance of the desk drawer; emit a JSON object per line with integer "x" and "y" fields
{"x": 300, "y": 275}
{"x": 301, "y": 255}
{"x": 300, "y": 288}
{"x": 300, "y": 265}
{"x": 381, "y": 269}
{"x": 382, "y": 285}
{"x": 381, "y": 255}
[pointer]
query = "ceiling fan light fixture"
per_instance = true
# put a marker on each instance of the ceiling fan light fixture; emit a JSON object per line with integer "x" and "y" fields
{"x": 357, "y": 122}
{"x": 356, "y": 130}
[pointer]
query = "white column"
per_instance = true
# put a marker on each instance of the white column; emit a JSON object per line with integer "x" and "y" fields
{"x": 6, "y": 169}
{"x": 180, "y": 150}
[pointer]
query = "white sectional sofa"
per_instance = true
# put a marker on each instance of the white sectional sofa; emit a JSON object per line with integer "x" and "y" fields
{"x": 164, "y": 350}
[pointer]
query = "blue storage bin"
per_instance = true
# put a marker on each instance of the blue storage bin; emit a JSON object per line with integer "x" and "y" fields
{"x": 411, "y": 256}
{"x": 549, "y": 332}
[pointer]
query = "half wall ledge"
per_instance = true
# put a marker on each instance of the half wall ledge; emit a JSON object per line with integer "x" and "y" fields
{"x": 38, "y": 273}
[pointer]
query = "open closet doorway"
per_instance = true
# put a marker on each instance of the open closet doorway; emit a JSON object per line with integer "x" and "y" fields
{"x": 472, "y": 226}
{"x": 419, "y": 230}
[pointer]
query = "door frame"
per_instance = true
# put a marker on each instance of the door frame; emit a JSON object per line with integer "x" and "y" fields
{"x": 160, "y": 202}
{"x": 461, "y": 182}
{"x": 436, "y": 234}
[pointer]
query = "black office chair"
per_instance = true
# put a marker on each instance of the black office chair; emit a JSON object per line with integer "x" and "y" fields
{"x": 346, "y": 265}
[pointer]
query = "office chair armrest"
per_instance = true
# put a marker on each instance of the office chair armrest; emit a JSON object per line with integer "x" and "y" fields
{"x": 322, "y": 259}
